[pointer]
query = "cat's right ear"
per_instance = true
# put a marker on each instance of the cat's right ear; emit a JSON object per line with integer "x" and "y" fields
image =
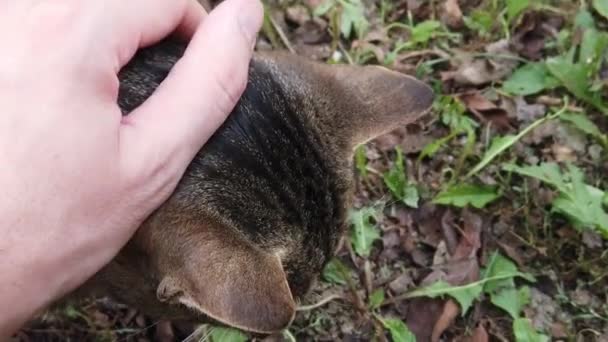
{"x": 374, "y": 100}
{"x": 352, "y": 103}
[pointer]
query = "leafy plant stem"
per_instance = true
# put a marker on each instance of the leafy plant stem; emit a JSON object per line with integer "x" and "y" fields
{"x": 489, "y": 157}
{"x": 426, "y": 293}
{"x": 268, "y": 29}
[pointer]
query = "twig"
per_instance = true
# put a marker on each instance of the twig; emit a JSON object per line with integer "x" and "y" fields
{"x": 320, "y": 303}
{"x": 281, "y": 34}
{"x": 422, "y": 53}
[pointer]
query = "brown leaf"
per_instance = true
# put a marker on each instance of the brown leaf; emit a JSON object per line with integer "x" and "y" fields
{"x": 420, "y": 257}
{"x": 441, "y": 254}
{"x": 449, "y": 313}
{"x": 452, "y": 14}
{"x": 480, "y": 334}
{"x": 414, "y": 6}
{"x": 311, "y": 32}
{"x": 297, "y": 14}
{"x": 447, "y": 228}
{"x": 401, "y": 284}
{"x": 526, "y": 113}
{"x": 387, "y": 142}
{"x": 391, "y": 239}
{"x": 534, "y": 30}
{"x": 471, "y": 239}
{"x": 476, "y": 101}
{"x": 101, "y": 319}
{"x": 474, "y": 71}
{"x": 559, "y": 330}
{"x": 313, "y": 3}
{"x": 421, "y": 316}
{"x": 592, "y": 239}
{"x": 542, "y": 309}
{"x": 462, "y": 268}
{"x": 542, "y": 132}
{"x": 486, "y": 110}
{"x": 428, "y": 219}
{"x": 411, "y": 139}
{"x": 563, "y": 153}
{"x": 511, "y": 252}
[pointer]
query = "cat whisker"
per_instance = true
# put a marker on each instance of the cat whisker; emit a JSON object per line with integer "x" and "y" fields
{"x": 139, "y": 331}
{"x": 206, "y": 336}
{"x": 196, "y": 332}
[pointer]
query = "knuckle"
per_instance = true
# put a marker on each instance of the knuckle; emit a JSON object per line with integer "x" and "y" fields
{"x": 150, "y": 176}
{"x": 53, "y": 19}
{"x": 229, "y": 90}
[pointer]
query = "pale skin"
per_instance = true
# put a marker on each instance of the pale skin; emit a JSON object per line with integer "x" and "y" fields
{"x": 77, "y": 178}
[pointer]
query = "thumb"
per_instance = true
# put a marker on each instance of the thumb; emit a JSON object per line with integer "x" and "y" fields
{"x": 203, "y": 87}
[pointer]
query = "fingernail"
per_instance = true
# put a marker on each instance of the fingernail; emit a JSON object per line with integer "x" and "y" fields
{"x": 250, "y": 20}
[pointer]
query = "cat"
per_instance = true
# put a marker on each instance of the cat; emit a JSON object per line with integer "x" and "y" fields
{"x": 262, "y": 206}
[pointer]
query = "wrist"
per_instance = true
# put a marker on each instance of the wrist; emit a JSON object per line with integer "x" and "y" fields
{"x": 31, "y": 276}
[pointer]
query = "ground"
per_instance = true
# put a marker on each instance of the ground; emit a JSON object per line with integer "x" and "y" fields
{"x": 487, "y": 221}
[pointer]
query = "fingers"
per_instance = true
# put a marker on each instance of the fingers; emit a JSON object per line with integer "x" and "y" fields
{"x": 193, "y": 16}
{"x": 139, "y": 23}
{"x": 201, "y": 90}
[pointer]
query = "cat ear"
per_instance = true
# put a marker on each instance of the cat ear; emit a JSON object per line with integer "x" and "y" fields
{"x": 234, "y": 283}
{"x": 377, "y": 100}
{"x": 356, "y": 103}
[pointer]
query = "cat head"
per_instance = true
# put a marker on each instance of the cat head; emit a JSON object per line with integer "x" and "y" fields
{"x": 261, "y": 208}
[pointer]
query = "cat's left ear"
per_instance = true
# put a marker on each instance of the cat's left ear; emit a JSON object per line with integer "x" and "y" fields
{"x": 223, "y": 276}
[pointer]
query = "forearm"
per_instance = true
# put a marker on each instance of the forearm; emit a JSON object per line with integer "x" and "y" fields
{"x": 21, "y": 295}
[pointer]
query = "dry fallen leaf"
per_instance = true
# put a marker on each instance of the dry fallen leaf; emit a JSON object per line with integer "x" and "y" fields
{"x": 448, "y": 315}
{"x": 526, "y": 112}
{"x": 453, "y": 14}
{"x": 563, "y": 153}
{"x": 532, "y": 33}
{"x": 470, "y": 242}
{"x": 428, "y": 220}
{"x": 486, "y": 110}
{"x": 411, "y": 139}
{"x": 402, "y": 283}
{"x": 313, "y": 3}
{"x": 542, "y": 310}
{"x": 478, "y": 71}
{"x": 421, "y": 316}
{"x": 311, "y": 32}
{"x": 480, "y": 334}
{"x": 559, "y": 330}
{"x": 450, "y": 235}
{"x": 476, "y": 101}
{"x": 297, "y": 14}
{"x": 592, "y": 239}
{"x": 461, "y": 268}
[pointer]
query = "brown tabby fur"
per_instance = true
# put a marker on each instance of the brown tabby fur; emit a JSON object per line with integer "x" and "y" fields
{"x": 262, "y": 206}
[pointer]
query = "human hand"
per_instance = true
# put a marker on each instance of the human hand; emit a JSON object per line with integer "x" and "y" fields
{"x": 76, "y": 177}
